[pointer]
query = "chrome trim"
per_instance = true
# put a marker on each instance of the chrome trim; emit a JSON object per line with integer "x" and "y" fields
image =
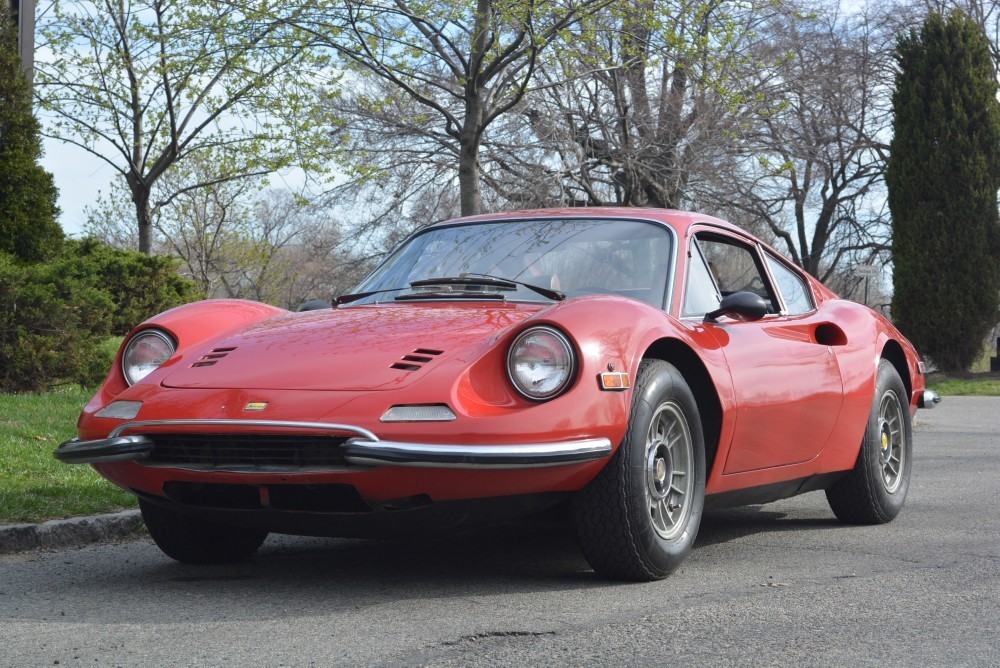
{"x": 120, "y": 449}
{"x": 570, "y": 348}
{"x": 929, "y": 399}
{"x": 467, "y": 456}
{"x": 158, "y": 333}
{"x": 365, "y": 450}
{"x": 280, "y": 424}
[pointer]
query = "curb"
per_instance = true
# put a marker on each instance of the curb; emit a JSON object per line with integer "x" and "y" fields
{"x": 74, "y": 532}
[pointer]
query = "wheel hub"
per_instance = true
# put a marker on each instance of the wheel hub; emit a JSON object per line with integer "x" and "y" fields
{"x": 658, "y": 468}
{"x": 885, "y": 441}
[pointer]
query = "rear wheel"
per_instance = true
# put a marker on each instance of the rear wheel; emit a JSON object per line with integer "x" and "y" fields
{"x": 874, "y": 491}
{"x": 639, "y": 517}
{"x": 190, "y": 540}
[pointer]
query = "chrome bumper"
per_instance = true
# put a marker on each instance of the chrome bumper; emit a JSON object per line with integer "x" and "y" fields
{"x": 364, "y": 449}
{"x": 929, "y": 399}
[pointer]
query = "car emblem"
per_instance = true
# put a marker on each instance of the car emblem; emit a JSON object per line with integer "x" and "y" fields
{"x": 255, "y": 406}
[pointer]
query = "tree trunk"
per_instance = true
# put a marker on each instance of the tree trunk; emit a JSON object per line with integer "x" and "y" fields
{"x": 468, "y": 174}
{"x": 144, "y": 219}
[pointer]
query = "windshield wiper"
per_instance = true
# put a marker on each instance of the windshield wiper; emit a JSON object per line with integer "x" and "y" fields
{"x": 347, "y": 299}
{"x": 447, "y": 282}
{"x": 554, "y": 295}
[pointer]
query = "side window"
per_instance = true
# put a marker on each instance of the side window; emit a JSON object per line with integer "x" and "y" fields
{"x": 735, "y": 268}
{"x": 701, "y": 295}
{"x": 791, "y": 286}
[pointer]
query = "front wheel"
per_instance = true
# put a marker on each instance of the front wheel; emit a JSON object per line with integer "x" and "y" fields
{"x": 190, "y": 540}
{"x": 639, "y": 517}
{"x": 874, "y": 491}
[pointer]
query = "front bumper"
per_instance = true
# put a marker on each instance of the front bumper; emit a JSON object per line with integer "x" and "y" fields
{"x": 363, "y": 449}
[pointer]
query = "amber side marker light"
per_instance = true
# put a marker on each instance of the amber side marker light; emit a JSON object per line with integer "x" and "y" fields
{"x": 615, "y": 380}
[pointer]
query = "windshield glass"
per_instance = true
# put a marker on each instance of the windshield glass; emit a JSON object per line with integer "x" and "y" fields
{"x": 576, "y": 256}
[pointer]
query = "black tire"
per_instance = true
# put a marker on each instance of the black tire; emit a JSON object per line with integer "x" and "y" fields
{"x": 626, "y": 519}
{"x": 190, "y": 540}
{"x": 874, "y": 491}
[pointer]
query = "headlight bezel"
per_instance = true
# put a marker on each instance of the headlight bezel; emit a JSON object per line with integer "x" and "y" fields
{"x": 571, "y": 367}
{"x": 146, "y": 335}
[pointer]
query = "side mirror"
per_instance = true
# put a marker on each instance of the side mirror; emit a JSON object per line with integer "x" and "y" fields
{"x": 742, "y": 306}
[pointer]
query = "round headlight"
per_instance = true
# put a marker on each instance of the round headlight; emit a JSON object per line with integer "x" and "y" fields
{"x": 145, "y": 353}
{"x": 541, "y": 363}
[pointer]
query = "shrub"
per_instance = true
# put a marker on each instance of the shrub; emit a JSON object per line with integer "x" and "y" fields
{"x": 56, "y": 316}
{"x": 140, "y": 285}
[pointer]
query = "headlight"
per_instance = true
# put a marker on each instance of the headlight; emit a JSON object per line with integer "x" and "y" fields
{"x": 541, "y": 363}
{"x": 145, "y": 353}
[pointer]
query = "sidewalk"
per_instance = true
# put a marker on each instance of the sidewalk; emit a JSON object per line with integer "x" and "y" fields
{"x": 74, "y": 532}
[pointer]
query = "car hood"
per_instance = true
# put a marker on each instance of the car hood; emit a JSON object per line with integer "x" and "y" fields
{"x": 356, "y": 348}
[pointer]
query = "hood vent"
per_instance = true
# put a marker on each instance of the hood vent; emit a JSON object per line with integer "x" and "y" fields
{"x": 416, "y": 360}
{"x": 212, "y": 357}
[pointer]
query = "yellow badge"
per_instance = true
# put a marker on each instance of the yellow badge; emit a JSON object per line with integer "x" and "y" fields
{"x": 255, "y": 406}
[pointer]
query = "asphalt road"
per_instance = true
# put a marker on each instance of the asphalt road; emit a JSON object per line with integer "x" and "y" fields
{"x": 781, "y": 584}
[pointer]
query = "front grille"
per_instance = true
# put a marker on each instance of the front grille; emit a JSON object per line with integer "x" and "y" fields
{"x": 243, "y": 451}
{"x": 309, "y": 498}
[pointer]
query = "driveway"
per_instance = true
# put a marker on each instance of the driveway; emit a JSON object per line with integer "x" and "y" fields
{"x": 783, "y": 583}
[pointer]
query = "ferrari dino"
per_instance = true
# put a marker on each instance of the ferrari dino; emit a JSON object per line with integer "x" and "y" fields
{"x": 642, "y": 365}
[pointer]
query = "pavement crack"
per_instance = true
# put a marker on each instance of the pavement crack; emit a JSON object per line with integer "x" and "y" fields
{"x": 489, "y": 635}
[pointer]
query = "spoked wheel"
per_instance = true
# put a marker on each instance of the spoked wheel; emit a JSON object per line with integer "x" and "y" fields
{"x": 639, "y": 517}
{"x": 892, "y": 441}
{"x": 874, "y": 491}
{"x": 190, "y": 540}
{"x": 669, "y": 471}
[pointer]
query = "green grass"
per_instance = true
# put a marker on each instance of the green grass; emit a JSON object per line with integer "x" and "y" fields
{"x": 974, "y": 387}
{"x": 34, "y": 486}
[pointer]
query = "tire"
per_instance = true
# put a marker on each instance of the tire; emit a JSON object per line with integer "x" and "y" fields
{"x": 874, "y": 491}
{"x": 638, "y": 519}
{"x": 193, "y": 541}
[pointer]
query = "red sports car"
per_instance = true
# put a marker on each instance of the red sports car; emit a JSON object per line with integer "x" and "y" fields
{"x": 642, "y": 364}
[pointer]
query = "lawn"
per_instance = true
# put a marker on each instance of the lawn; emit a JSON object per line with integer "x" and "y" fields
{"x": 980, "y": 385}
{"x": 34, "y": 486}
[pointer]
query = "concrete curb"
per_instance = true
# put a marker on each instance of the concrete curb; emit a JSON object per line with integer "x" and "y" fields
{"x": 73, "y": 532}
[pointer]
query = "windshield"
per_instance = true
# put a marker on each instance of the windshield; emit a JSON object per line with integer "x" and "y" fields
{"x": 575, "y": 256}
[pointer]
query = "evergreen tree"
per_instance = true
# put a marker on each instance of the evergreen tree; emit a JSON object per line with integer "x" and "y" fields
{"x": 942, "y": 179}
{"x": 28, "y": 227}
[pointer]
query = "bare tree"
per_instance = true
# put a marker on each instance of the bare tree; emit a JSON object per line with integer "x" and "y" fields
{"x": 426, "y": 80}
{"x": 811, "y": 167}
{"x": 147, "y": 84}
{"x": 651, "y": 101}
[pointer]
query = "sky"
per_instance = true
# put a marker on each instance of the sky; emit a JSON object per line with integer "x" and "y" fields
{"x": 79, "y": 176}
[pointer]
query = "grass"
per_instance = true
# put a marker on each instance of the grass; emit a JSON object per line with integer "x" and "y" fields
{"x": 981, "y": 385}
{"x": 34, "y": 486}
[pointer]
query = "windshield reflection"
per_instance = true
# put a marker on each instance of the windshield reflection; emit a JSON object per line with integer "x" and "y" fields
{"x": 576, "y": 256}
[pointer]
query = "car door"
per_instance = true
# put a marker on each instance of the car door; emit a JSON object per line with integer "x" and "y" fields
{"x": 784, "y": 370}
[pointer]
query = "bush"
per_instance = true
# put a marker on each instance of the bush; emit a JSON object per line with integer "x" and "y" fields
{"x": 140, "y": 285}
{"x": 55, "y": 316}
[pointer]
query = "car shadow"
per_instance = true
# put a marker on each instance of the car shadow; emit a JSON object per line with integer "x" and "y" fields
{"x": 311, "y": 577}
{"x": 534, "y": 553}
{"x": 722, "y": 526}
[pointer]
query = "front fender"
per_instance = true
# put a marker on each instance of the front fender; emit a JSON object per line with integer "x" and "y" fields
{"x": 191, "y": 326}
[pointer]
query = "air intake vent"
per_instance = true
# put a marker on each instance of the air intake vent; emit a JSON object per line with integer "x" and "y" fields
{"x": 416, "y": 360}
{"x": 214, "y": 356}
